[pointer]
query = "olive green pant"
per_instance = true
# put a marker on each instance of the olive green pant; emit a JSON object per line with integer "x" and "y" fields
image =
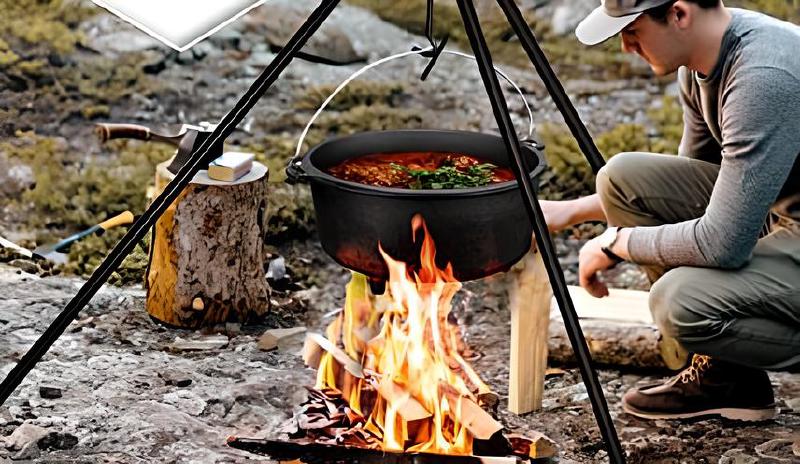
{"x": 749, "y": 316}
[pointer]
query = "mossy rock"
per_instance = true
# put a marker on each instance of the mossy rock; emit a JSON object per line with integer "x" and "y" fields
{"x": 86, "y": 255}
{"x": 569, "y": 174}
{"x": 567, "y": 55}
{"x": 69, "y": 194}
{"x": 46, "y": 24}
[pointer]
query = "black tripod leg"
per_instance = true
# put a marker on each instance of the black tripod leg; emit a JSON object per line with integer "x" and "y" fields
{"x": 552, "y": 84}
{"x": 545, "y": 244}
{"x": 199, "y": 159}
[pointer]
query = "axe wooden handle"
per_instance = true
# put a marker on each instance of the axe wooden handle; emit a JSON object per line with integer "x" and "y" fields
{"x": 108, "y": 132}
{"x": 118, "y": 220}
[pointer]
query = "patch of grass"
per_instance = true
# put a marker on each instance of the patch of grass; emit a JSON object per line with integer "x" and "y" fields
{"x": 357, "y": 93}
{"x": 788, "y": 10}
{"x": 86, "y": 255}
{"x": 667, "y": 117}
{"x": 70, "y": 195}
{"x": 105, "y": 80}
{"x": 46, "y": 24}
{"x": 569, "y": 174}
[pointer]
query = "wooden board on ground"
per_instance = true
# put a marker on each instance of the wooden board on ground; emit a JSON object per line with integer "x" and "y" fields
{"x": 619, "y": 331}
{"x": 620, "y": 305}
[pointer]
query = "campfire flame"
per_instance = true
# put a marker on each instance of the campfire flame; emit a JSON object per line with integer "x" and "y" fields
{"x": 416, "y": 389}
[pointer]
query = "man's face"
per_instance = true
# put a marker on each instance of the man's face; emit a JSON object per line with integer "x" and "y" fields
{"x": 655, "y": 42}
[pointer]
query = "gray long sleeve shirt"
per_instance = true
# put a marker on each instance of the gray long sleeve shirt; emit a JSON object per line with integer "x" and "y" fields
{"x": 744, "y": 116}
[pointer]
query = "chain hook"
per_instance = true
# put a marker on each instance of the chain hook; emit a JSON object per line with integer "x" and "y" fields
{"x": 436, "y": 49}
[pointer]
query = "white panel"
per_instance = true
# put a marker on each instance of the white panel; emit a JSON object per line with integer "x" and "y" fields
{"x": 179, "y": 23}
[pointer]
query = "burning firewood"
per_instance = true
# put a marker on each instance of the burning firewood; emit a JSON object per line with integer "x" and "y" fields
{"x": 537, "y": 446}
{"x": 476, "y": 420}
{"x": 312, "y": 353}
{"x": 391, "y": 375}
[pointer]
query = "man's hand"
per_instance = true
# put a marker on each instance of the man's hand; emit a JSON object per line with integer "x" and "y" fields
{"x": 591, "y": 260}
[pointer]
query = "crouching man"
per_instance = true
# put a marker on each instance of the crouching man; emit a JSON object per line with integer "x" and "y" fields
{"x": 717, "y": 228}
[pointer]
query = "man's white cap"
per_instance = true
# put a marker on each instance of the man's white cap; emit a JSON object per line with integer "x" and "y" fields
{"x": 611, "y": 17}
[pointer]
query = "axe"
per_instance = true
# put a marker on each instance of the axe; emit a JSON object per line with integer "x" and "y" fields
{"x": 56, "y": 252}
{"x": 186, "y": 140}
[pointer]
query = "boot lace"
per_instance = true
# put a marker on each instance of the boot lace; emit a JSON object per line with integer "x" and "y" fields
{"x": 700, "y": 363}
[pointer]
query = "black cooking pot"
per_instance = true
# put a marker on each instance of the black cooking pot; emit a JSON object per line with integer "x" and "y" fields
{"x": 480, "y": 230}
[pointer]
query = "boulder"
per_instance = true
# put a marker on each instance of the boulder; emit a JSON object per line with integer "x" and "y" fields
{"x": 15, "y": 177}
{"x": 24, "y": 435}
{"x": 350, "y": 34}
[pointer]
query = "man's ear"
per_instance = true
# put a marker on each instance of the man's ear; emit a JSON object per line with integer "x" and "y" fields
{"x": 682, "y": 13}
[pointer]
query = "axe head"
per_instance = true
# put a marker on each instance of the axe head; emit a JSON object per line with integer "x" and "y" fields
{"x": 193, "y": 137}
{"x": 50, "y": 253}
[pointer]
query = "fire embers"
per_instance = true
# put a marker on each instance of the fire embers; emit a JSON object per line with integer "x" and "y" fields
{"x": 390, "y": 374}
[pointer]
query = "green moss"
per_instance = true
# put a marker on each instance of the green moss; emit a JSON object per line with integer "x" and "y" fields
{"x": 70, "y": 195}
{"x": 86, "y": 255}
{"x": 46, "y": 24}
{"x": 7, "y": 56}
{"x": 623, "y": 137}
{"x": 95, "y": 111}
{"x": 410, "y": 15}
{"x": 569, "y": 174}
{"x": 32, "y": 68}
{"x": 667, "y": 118}
{"x": 357, "y": 93}
{"x": 106, "y": 80}
{"x": 788, "y": 10}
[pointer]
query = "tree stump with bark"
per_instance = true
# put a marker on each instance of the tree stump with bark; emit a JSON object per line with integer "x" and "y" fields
{"x": 207, "y": 260}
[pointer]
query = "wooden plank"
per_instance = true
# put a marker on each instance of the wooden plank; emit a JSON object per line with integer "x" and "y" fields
{"x": 530, "y": 294}
{"x": 620, "y": 305}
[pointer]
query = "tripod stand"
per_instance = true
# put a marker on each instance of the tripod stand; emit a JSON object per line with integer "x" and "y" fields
{"x": 204, "y": 154}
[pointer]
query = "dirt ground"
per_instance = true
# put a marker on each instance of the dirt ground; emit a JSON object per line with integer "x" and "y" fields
{"x": 133, "y": 391}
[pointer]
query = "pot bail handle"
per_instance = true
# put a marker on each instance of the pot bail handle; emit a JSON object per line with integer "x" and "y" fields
{"x": 294, "y": 170}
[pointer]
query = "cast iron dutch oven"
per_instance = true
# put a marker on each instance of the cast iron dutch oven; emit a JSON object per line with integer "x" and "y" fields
{"x": 480, "y": 230}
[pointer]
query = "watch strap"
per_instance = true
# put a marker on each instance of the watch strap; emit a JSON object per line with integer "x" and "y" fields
{"x": 614, "y": 257}
{"x": 607, "y": 249}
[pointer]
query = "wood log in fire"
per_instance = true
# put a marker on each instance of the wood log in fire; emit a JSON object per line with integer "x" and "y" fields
{"x": 407, "y": 406}
{"x": 535, "y": 446}
{"x": 316, "y": 344}
{"x": 479, "y": 422}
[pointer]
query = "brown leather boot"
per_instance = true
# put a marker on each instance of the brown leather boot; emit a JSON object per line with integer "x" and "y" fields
{"x": 706, "y": 388}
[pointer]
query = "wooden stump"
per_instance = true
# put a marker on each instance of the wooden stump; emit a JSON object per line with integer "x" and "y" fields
{"x": 530, "y": 294}
{"x": 207, "y": 263}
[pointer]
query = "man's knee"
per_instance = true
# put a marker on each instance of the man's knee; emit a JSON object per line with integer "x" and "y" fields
{"x": 680, "y": 306}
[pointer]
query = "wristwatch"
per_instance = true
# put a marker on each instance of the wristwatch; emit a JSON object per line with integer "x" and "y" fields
{"x": 610, "y": 238}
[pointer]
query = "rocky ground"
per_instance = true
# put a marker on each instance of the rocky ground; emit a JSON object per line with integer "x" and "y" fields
{"x": 119, "y": 388}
